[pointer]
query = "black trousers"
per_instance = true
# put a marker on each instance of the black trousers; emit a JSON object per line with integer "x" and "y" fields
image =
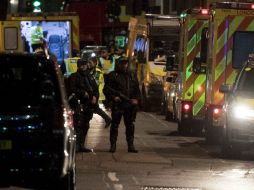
{"x": 128, "y": 114}
{"x": 81, "y": 123}
{"x": 102, "y": 113}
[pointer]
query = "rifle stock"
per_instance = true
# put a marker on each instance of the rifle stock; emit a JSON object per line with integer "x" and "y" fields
{"x": 119, "y": 94}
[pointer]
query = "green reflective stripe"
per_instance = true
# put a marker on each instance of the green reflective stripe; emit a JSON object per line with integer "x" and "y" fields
{"x": 229, "y": 57}
{"x": 235, "y": 24}
{"x": 251, "y": 26}
{"x": 189, "y": 91}
{"x": 220, "y": 68}
{"x": 198, "y": 84}
{"x": 191, "y": 44}
{"x": 188, "y": 71}
{"x": 231, "y": 78}
{"x": 199, "y": 104}
{"x": 221, "y": 41}
{"x": 199, "y": 81}
{"x": 192, "y": 22}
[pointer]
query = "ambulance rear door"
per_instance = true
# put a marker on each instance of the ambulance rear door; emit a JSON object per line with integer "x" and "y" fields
{"x": 11, "y": 37}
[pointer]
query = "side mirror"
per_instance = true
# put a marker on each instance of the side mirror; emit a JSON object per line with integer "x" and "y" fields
{"x": 171, "y": 64}
{"x": 225, "y": 88}
{"x": 197, "y": 67}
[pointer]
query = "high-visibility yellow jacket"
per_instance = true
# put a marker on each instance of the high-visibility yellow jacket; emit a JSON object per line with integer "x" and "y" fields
{"x": 37, "y": 35}
{"x": 71, "y": 64}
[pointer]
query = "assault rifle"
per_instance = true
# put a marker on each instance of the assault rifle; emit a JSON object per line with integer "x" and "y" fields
{"x": 121, "y": 95}
{"x": 124, "y": 97}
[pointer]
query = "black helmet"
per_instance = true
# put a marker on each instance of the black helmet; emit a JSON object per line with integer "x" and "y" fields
{"x": 82, "y": 62}
{"x": 122, "y": 60}
{"x": 120, "y": 64}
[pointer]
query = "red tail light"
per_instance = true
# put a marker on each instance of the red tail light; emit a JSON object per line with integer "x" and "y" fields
{"x": 187, "y": 106}
{"x": 252, "y": 6}
{"x": 204, "y": 11}
{"x": 216, "y": 111}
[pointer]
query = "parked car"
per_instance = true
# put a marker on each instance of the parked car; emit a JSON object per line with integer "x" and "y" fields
{"x": 170, "y": 111}
{"x": 238, "y": 134}
{"x": 37, "y": 137}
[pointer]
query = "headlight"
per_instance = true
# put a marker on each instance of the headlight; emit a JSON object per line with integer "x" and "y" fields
{"x": 243, "y": 112}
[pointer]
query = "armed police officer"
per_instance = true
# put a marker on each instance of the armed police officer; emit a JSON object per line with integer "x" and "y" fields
{"x": 94, "y": 83}
{"x": 122, "y": 89}
{"x": 80, "y": 86}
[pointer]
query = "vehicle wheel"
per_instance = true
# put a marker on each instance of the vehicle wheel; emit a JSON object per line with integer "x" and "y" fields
{"x": 209, "y": 136}
{"x": 174, "y": 111}
{"x": 68, "y": 182}
{"x": 228, "y": 150}
{"x": 145, "y": 103}
{"x": 163, "y": 106}
{"x": 183, "y": 128}
{"x": 168, "y": 115}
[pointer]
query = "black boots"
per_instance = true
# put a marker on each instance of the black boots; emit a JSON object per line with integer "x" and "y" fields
{"x": 132, "y": 149}
{"x": 112, "y": 148}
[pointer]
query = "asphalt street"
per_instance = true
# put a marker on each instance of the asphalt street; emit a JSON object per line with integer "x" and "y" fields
{"x": 165, "y": 161}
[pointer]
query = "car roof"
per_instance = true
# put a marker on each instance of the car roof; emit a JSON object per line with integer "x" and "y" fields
{"x": 25, "y": 59}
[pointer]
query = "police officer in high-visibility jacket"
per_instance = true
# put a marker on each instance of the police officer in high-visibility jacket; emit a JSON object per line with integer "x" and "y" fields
{"x": 37, "y": 36}
{"x": 105, "y": 62}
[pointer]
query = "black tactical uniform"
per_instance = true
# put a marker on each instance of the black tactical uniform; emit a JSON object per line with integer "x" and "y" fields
{"x": 80, "y": 87}
{"x": 122, "y": 88}
{"x": 94, "y": 84}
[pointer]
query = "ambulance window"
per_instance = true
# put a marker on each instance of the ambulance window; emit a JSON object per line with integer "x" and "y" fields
{"x": 204, "y": 43}
{"x": 242, "y": 46}
{"x": 246, "y": 82}
{"x": 10, "y": 38}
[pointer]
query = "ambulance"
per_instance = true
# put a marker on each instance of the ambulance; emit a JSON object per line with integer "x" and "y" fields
{"x": 190, "y": 85}
{"x": 230, "y": 41}
{"x": 60, "y": 34}
{"x": 150, "y": 40}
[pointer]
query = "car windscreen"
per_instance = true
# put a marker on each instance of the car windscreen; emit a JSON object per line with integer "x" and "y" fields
{"x": 26, "y": 83}
{"x": 246, "y": 81}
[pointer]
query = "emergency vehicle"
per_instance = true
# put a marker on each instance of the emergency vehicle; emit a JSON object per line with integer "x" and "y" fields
{"x": 150, "y": 40}
{"x": 238, "y": 112}
{"x": 230, "y": 38}
{"x": 60, "y": 31}
{"x": 190, "y": 86}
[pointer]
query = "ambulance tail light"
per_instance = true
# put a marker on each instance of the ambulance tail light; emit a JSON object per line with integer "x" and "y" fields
{"x": 187, "y": 106}
{"x": 204, "y": 11}
{"x": 217, "y": 111}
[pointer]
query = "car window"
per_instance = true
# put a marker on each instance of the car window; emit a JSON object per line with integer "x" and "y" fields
{"x": 246, "y": 81}
{"x": 27, "y": 83}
